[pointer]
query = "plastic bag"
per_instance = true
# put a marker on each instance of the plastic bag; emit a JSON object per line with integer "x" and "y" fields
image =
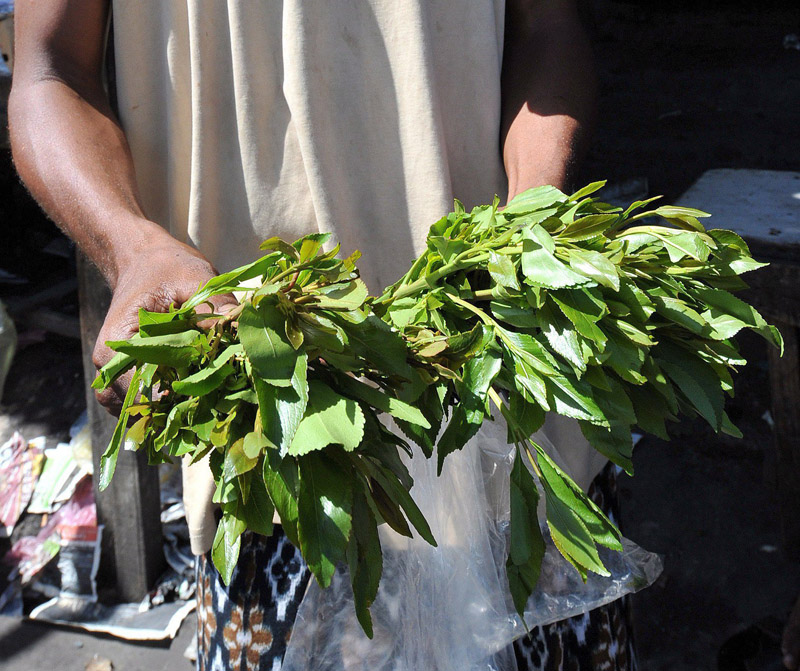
{"x": 448, "y": 608}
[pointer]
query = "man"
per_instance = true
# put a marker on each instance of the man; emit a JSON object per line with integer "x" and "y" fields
{"x": 242, "y": 120}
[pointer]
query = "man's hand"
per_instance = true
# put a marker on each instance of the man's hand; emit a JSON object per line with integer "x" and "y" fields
{"x": 167, "y": 273}
{"x": 73, "y": 156}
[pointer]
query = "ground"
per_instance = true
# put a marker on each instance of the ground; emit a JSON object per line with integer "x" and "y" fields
{"x": 685, "y": 87}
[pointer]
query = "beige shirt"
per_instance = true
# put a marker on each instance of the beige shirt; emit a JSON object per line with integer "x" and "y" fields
{"x": 363, "y": 118}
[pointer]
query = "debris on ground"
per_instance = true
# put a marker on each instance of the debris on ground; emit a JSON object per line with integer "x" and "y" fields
{"x": 124, "y": 620}
{"x": 64, "y": 467}
{"x": 20, "y": 465}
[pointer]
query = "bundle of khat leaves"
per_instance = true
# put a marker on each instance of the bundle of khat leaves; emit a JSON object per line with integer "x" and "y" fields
{"x": 553, "y": 304}
{"x": 584, "y": 310}
{"x": 283, "y": 395}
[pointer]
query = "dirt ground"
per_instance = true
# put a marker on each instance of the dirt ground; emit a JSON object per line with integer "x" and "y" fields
{"x": 685, "y": 87}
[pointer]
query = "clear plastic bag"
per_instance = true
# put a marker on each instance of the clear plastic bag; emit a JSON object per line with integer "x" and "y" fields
{"x": 448, "y": 608}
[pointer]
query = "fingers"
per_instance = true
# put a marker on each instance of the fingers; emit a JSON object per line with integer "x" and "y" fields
{"x": 223, "y": 304}
{"x": 112, "y": 397}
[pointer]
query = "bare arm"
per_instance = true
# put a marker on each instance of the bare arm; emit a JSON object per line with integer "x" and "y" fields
{"x": 548, "y": 93}
{"x": 72, "y": 155}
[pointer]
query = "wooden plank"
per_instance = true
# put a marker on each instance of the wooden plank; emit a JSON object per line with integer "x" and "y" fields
{"x": 133, "y": 556}
{"x": 762, "y": 206}
{"x": 785, "y": 387}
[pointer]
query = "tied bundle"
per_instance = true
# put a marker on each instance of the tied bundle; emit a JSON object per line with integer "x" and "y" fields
{"x": 555, "y": 303}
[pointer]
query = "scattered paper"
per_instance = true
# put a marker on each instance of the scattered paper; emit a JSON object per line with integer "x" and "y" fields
{"x": 32, "y": 553}
{"x": 123, "y": 621}
{"x": 20, "y": 465}
{"x": 56, "y": 484}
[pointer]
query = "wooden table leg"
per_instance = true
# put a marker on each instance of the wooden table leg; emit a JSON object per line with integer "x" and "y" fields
{"x": 130, "y": 508}
{"x": 785, "y": 385}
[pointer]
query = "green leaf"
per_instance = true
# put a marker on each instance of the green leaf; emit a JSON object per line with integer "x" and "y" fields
{"x": 564, "y": 488}
{"x": 521, "y": 317}
{"x": 279, "y": 246}
{"x": 389, "y": 510}
{"x": 325, "y": 506}
{"x": 430, "y": 404}
{"x": 282, "y": 408}
{"x": 596, "y": 266}
{"x": 651, "y": 410}
{"x": 237, "y": 462}
{"x": 614, "y": 442}
{"x": 310, "y": 244}
{"x": 227, "y": 282}
{"x": 253, "y": 444}
{"x": 374, "y": 340}
{"x": 477, "y": 377}
{"x": 210, "y": 376}
{"x": 589, "y": 227}
{"x": 262, "y": 332}
{"x": 175, "y": 349}
{"x": 119, "y": 364}
{"x": 526, "y": 545}
{"x": 349, "y": 296}
{"x": 281, "y": 480}
{"x": 227, "y": 543}
{"x": 625, "y": 358}
{"x": 721, "y": 304}
{"x": 696, "y": 379}
{"x": 502, "y": 270}
{"x": 382, "y": 401}
{"x": 583, "y": 312}
{"x": 637, "y": 300}
{"x": 259, "y": 509}
{"x": 587, "y": 190}
{"x": 562, "y": 337}
{"x": 164, "y": 323}
{"x": 574, "y": 398}
{"x": 365, "y": 559}
{"x": 531, "y": 200}
{"x": 108, "y": 461}
{"x": 541, "y": 267}
{"x": 571, "y": 537}
{"x": 399, "y": 495}
{"x": 331, "y": 419}
{"x": 682, "y": 217}
{"x": 523, "y": 418}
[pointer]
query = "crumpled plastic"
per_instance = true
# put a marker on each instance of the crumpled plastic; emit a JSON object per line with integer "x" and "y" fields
{"x": 448, "y": 608}
{"x": 31, "y": 553}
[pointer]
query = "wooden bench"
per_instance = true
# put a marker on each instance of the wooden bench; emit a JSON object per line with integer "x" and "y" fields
{"x": 130, "y": 509}
{"x": 763, "y": 207}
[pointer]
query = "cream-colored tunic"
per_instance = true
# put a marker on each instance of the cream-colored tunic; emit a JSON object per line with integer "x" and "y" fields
{"x": 363, "y": 118}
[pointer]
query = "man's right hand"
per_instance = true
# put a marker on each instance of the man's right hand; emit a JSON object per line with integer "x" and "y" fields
{"x": 168, "y": 272}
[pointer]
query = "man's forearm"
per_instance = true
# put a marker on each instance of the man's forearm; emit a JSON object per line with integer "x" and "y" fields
{"x": 67, "y": 145}
{"x": 548, "y": 94}
{"x": 74, "y": 159}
